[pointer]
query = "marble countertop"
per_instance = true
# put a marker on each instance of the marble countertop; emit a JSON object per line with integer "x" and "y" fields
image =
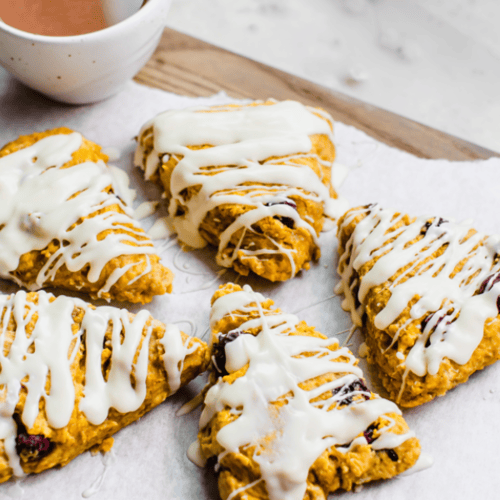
{"x": 434, "y": 61}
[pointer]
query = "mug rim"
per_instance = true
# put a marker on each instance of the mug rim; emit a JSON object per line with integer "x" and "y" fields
{"x": 106, "y": 32}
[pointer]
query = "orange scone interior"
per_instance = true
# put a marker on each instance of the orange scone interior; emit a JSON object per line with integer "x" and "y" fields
{"x": 288, "y": 415}
{"x": 425, "y": 291}
{"x": 73, "y": 375}
{"x": 254, "y": 180}
{"x": 61, "y": 223}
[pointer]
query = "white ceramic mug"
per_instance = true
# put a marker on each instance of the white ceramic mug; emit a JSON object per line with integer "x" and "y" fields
{"x": 84, "y": 68}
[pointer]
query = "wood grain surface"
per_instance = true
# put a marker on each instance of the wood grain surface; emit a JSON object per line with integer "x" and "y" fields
{"x": 188, "y": 66}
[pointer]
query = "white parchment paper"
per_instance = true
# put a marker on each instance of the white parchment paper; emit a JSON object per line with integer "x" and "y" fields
{"x": 460, "y": 430}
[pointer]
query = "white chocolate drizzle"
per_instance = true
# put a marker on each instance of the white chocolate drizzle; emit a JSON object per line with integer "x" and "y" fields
{"x": 424, "y": 462}
{"x": 145, "y": 209}
{"x": 241, "y": 139}
{"x": 175, "y": 352}
{"x": 42, "y": 202}
{"x": 289, "y": 439}
{"x": 161, "y": 229}
{"x": 453, "y": 301}
{"x": 51, "y": 348}
{"x": 121, "y": 185}
{"x": 108, "y": 459}
{"x": 194, "y": 452}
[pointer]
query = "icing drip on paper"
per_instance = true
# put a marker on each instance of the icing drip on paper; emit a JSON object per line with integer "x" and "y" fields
{"x": 424, "y": 462}
{"x": 145, "y": 209}
{"x": 242, "y": 138}
{"x": 185, "y": 268}
{"x": 161, "y": 229}
{"x": 108, "y": 459}
{"x": 14, "y": 490}
{"x": 454, "y": 299}
{"x": 51, "y": 348}
{"x": 194, "y": 451}
{"x": 42, "y": 202}
{"x": 289, "y": 439}
{"x": 121, "y": 185}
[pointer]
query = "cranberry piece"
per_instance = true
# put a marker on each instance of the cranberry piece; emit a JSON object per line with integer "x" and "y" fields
{"x": 489, "y": 282}
{"x": 369, "y": 433}
{"x": 286, "y": 201}
{"x": 31, "y": 446}
{"x": 427, "y": 319}
{"x": 287, "y": 221}
{"x": 392, "y": 455}
{"x": 345, "y": 392}
{"x": 219, "y": 351}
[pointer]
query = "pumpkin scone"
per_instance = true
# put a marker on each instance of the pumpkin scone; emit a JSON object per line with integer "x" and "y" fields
{"x": 254, "y": 180}
{"x": 425, "y": 291}
{"x": 72, "y": 375}
{"x": 62, "y": 225}
{"x": 288, "y": 414}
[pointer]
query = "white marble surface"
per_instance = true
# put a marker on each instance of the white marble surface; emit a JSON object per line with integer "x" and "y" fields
{"x": 435, "y": 61}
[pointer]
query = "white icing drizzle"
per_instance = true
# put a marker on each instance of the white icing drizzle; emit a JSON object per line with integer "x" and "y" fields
{"x": 147, "y": 270}
{"x": 121, "y": 185}
{"x": 424, "y": 461}
{"x": 237, "y": 491}
{"x": 46, "y": 350}
{"x": 15, "y": 490}
{"x": 194, "y": 452}
{"x": 108, "y": 459}
{"x": 161, "y": 229}
{"x": 114, "y": 277}
{"x": 242, "y": 138}
{"x": 41, "y": 202}
{"x": 112, "y": 153}
{"x": 207, "y": 284}
{"x": 184, "y": 267}
{"x": 339, "y": 174}
{"x": 166, "y": 245}
{"x": 145, "y": 209}
{"x": 175, "y": 352}
{"x": 301, "y": 429}
{"x": 455, "y": 309}
{"x": 188, "y": 407}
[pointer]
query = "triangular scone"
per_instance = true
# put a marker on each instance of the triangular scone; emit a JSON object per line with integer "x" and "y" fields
{"x": 289, "y": 414}
{"x": 426, "y": 293}
{"x": 72, "y": 375}
{"x": 253, "y": 180}
{"x": 62, "y": 225}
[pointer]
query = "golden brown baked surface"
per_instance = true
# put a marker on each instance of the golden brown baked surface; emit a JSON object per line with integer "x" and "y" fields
{"x": 43, "y": 444}
{"x": 341, "y": 466}
{"x": 144, "y": 276}
{"x": 442, "y": 272}
{"x": 275, "y": 247}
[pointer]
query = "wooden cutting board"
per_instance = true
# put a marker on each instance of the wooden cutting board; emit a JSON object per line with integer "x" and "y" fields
{"x": 188, "y": 66}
